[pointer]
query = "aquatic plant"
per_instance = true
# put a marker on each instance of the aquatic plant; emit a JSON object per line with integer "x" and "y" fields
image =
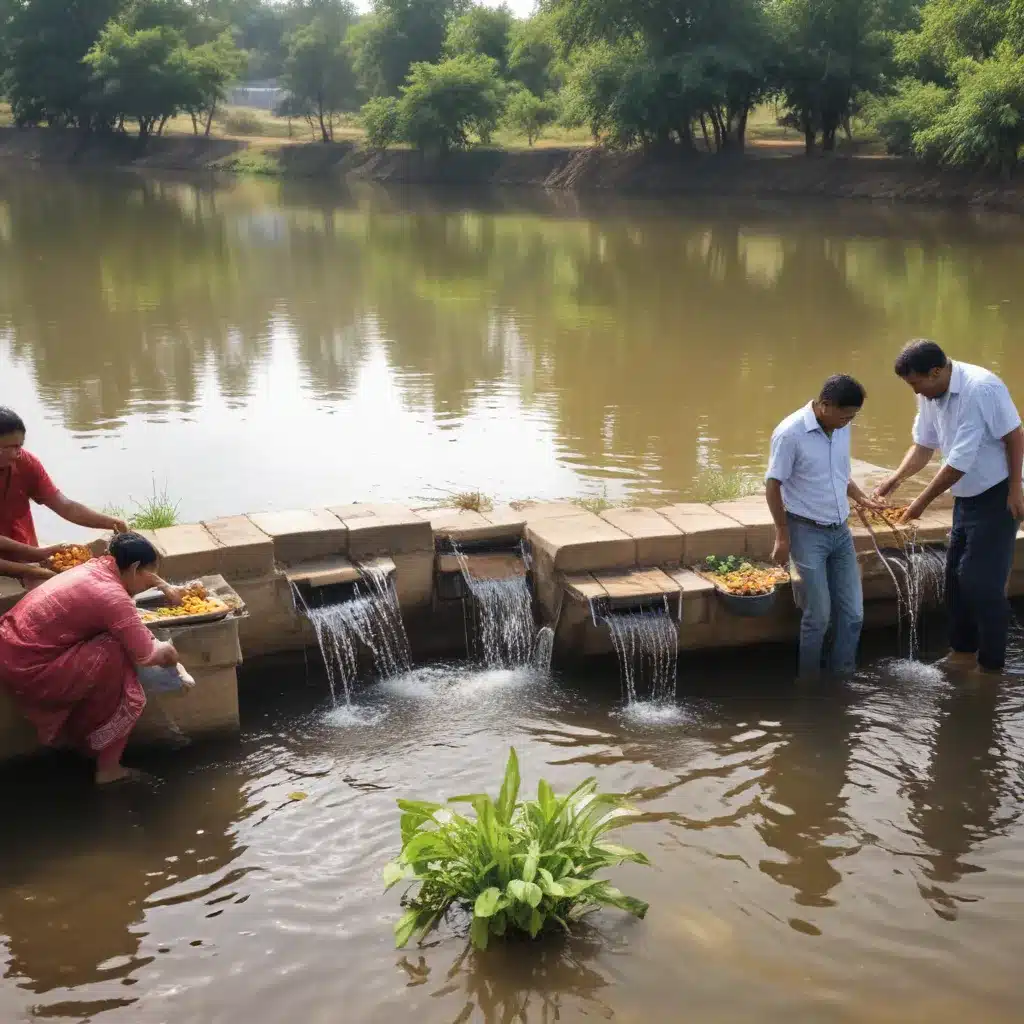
{"x": 517, "y": 866}
{"x": 468, "y": 501}
{"x": 596, "y": 503}
{"x": 154, "y": 513}
{"x": 711, "y": 486}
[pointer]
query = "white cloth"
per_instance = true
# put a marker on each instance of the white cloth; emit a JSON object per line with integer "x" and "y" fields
{"x": 812, "y": 466}
{"x": 967, "y": 424}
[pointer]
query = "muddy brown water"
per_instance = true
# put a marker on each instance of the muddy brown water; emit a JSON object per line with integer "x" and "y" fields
{"x": 851, "y": 854}
{"x": 251, "y": 344}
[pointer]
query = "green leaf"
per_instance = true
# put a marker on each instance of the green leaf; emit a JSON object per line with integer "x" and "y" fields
{"x": 479, "y": 932}
{"x": 424, "y": 845}
{"x": 612, "y": 897}
{"x": 487, "y": 902}
{"x": 536, "y": 922}
{"x": 499, "y": 923}
{"x": 525, "y": 892}
{"x": 549, "y": 885}
{"x": 532, "y": 860}
{"x": 404, "y": 928}
{"x": 622, "y": 853}
{"x": 395, "y": 873}
{"x": 546, "y": 800}
{"x": 509, "y": 789}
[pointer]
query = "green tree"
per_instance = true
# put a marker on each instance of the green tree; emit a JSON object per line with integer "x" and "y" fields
{"x": 318, "y": 74}
{"x": 143, "y": 75}
{"x": 212, "y": 67}
{"x": 984, "y": 126}
{"x": 380, "y": 120}
{"x": 45, "y": 80}
{"x": 444, "y": 105}
{"x": 829, "y": 51}
{"x": 533, "y": 55}
{"x": 396, "y": 35}
{"x": 527, "y": 114}
{"x": 483, "y": 30}
{"x": 912, "y": 107}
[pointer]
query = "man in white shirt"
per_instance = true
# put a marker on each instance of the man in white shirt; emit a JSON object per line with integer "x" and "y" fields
{"x": 808, "y": 488}
{"x": 967, "y": 413}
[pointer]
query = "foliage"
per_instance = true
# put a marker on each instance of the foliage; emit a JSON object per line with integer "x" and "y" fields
{"x": 468, "y": 501}
{"x": 912, "y": 107}
{"x": 141, "y": 74}
{"x": 211, "y": 67}
{"x": 444, "y": 105}
{"x": 397, "y": 35}
{"x": 154, "y": 513}
{"x": 528, "y": 115}
{"x": 481, "y": 30}
{"x": 712, "y": 486}
{"x": 380, "y": 121}
{"x": 519, "y": 866}
{"x": 984, "y": 126}
{"x": 318, "y": 74}
{"x": 533, "y": 59}
{"x": 45, "y": 80}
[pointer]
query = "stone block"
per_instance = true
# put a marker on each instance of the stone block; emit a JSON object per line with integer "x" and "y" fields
{"x": 414, "y": 578}
{"x": 273, "y": 624}
{"x": 323, "y": 572}
{"x": 300, "y": 535}
{"x": 186, "y": 552}
{"x": 501, "y": 526}
{"x": 511, "y": 520}
{"x": 705, "y": 532}
{"x": 492, "y": 566}
{"x": 658, "y": 541}
{"x": 246, "y": 552}
{"x": 697, "y": 595}
{"x": 934, "y": 527}
{"x": 633, "y": 587}
{"x": 211, "y": 707}
{"x": 755, "y": 517}
{"x": 576, "y": 543}
{"x": 11, "y": 592}
{"x": 207, "y": 645}
{"x": 583, "y": 587}
{"x": 385, "y": 529}
{"x": 538, "y": 511}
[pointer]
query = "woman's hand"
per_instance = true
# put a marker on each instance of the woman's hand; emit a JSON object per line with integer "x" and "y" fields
{"x": 45, "y": 554}
{"x": 166, "y": 655}
{"x": 173, "y": 595}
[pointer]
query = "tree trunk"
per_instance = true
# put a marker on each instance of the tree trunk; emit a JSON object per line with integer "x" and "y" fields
{"x": 120, "y": 123}
{"x": 717, "y": 125}
{"x": 163, "y": 121}
{"x": 704, "y": 129}
{"x": 741, "y": 129}
{"x": 848, "y": 128}
{"x": 324, "y": 136}
{"x": 828, "y": 139}
{"x": 195, "y": 123}
{"x": 686, "y": 139}
{"x": 809, "y": 135}
{"x": 211, "y": 113}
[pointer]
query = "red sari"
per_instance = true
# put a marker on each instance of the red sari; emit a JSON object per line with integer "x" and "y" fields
{"x": 68, "y": 652}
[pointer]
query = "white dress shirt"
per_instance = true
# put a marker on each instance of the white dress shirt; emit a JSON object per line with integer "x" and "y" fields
{"x": 967, "y": 424}
{"x": 812, "y": 466}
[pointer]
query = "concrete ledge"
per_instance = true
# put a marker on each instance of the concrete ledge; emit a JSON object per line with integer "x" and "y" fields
{"x": 705, "y": 531}
{"x": 11, "y": 592}
{"x": 759, "y": 528}
{"x": 577, "y": 542}
{"x": 244, "y": 550}
{"x": 658, "y": 541}
{"x": 323, "y": 572}
{"x": 210, "y": 708}
{"x": 386, "y": 529}
{"x": 504, "y": 526}
{"x": 300, "y": 535}
{"x": 491, "y": 566}
{"x": 186, "y": 552}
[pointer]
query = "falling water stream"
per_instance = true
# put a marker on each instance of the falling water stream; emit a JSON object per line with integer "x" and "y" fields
{"x": 647, "y": 645}
{"x": 371, "y": 621}
{"x": 500, "y": 611}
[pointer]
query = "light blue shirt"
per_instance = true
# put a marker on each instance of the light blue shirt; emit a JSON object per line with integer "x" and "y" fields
{"x": 813, "y": 468}
{"x": 967, "y": 424}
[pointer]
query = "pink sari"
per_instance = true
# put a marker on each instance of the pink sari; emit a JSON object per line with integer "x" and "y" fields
{"x": 68, "y": 652}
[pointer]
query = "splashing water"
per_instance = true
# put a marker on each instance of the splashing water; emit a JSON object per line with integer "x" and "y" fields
{"x": 370, "y": 620}
{"x": 504, "y": 632}
{"x": 647, "y": 645}
{"x": 920, "y": 578}
{"x": 543, "y": 650}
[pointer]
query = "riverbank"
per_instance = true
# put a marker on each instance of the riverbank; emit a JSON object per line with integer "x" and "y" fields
{"x": 569, "y": 169}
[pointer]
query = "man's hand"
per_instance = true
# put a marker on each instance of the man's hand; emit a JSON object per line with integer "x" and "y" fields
{"x": 884, "y": 490}
{"x": 117, "y": 525}
{"x": 915, "y": 511}
{"x": 780, "y": 553}
{"x": 872, "y": 504}
{"x": 1015, "y": 503}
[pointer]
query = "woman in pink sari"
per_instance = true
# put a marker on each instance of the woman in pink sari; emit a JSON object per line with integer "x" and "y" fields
{"x": 69, "y": 651}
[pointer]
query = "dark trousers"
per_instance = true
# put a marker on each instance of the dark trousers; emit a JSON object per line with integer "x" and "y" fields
{"x": 977, "y": 568}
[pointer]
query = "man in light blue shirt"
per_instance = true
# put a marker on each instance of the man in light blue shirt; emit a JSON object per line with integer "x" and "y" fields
{"x": 808, "y": 488}
{"x": 967, "y": 413}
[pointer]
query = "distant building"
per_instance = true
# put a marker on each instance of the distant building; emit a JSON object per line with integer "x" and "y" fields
{"x": 264, "y": 95}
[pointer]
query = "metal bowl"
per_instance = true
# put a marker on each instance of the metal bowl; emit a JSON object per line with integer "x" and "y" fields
{"x": 747, "y": 607}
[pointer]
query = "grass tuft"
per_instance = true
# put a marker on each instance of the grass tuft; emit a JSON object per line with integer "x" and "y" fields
{"x": 712, "y": 486}
{"x": 156, "y": 512}
{"x": 468, "y": 501}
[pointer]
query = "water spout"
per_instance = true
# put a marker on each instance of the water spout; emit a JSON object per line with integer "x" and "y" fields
{"x": 647, "y": 644}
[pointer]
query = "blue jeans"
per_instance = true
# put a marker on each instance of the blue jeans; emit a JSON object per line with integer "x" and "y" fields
{"x": 977, "y": 567}
{"x": 829, "y": 593}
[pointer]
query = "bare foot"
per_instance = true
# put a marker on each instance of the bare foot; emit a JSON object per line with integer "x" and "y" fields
{"x": 958, "y": 661}
{"x": 108, "y": 776}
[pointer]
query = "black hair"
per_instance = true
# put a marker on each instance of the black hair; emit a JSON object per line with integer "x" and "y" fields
{"x": 921, "y": 356}
{"x": 131, "y": 549}
{"x": 10, "y": 422}
{"x": 843, "y": 392}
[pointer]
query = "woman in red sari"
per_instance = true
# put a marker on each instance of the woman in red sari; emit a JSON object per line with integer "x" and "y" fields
{"x": 69, "y": 651}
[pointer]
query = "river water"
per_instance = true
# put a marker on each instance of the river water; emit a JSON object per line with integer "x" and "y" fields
{"x": 258, "y": 344}
{"x": 851, "y": 854}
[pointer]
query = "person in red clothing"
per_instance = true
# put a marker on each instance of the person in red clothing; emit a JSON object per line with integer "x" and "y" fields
{"x": 23, "y": 480}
